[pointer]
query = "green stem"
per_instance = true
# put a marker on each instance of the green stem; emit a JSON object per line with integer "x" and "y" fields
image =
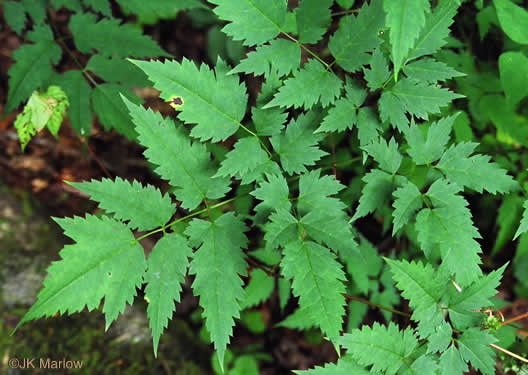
{"x": 327, "y": 66}
{"x": 207, "y": 209}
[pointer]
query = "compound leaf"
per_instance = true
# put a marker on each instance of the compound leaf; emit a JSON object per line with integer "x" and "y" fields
{"x": 385, "y": 347}
{"x": 344, "y": 366}
{"x": 453, "y": 232}
{"x": 253, "y": 21}
{"x": 378, "y": 73}
{"x": 273, "y": 194}
{"x": 217, "y": 265}
{"x": 313, "y": 18}
{"x": 405, "y": 20}
{"x": 475, "y": 172}
{"x": 310, "y": 85}
{"x": 105, "y": 261}
{"x": 145, "y": 207}
{"x": 416, "y": 98}
{"x": 166, "y": 268}
{"x": 474, "y": 347}
{"x": 430, "y": 70}
{"x": 216, "y": 103}
{"x": 31, "y": 68}
{"x": 378, "y": 188}
{"x": 386, "y": 154}
{"x": 408, "y": 201}
{"x": 15, "y": 16}
{"x": 187, "y": 165}
{"x": 281, "y": 55}
{"x": 245, "y": 157}
{"x": 318, "y": 281}
{"x": 464, "y": 306}
{"x": 109, "y": 37}
{"x": 424, "y": 287}
{"x": 425, "y": 151}
{"x": 297, "y": 147}
{"x": 436, "y": 30}
{"x": 357, "y": 36}
{"x": 523, "y": 227}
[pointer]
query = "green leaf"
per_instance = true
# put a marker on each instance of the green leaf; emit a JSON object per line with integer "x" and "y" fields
{"x": 101, "y": 6}
{"x": 430, "y": 70}
{"x": 281, "y": 229}
{"x": 464, "y": 306}
{"x": 258, "y": 289}
{"x": 245, "y": 157}
{"x": 36, "y": 10}
{"x": 369, "y": 127}
{"x": 254, "y": 21}
{"x": 297, "y": 147}
{"x": 377, "y": 190}
{"x": 273, "y": 194}
{"x": 281, "y": 55}
{"x": 15, "y": 16}
{"x": 386, "y": 348}
{"x": 513, "y": 20}
{"x": 310, "y": 85}
{"x": 318, "y": 281}
{"x": 424, "y": 287}
{"x": 451, "y": 362}
{"x": 105, "y": 261}
{"x": 378, "y": 74}
{"x": 314, "y": 192}
{"x": 405, "y": 20}
{"x": 110, "y": 38}
{"x": 507, "y": 219}
{"x": 386, "y": 154}
{"x": 313, "y": 19}
{"x": 150, "y": 12}
{"x": 523, "y": 227}
{"x": 453, "y": 232}
{"x": 474, "y": 347}
{"x": 166, "y": 268}
{"x": 416, "y": 98}
{"x": 186, "y": 165}
{"x": 513, "y": 67}
{"x": 107, "y": 104}
{"x": 356, "y": 37}
{"x": 427, "y": 150}
{"x": 116, "y": 70}
{"x": 344, "y": 113}
{"x": 217, "y": 265}
{"x": 216, "y": 103}
{"x": 436, "y": 30}
{"x": 145, "y": 207}
{"x": 79, "y": 93}
{"x": 440, "y": 339}
{"x": 475, "y": 172}
{"x": 344, "y": 366}
{"x": 31, "y": 68}
{"x": 268, "y": 121}
{"x": 408, "y": 201}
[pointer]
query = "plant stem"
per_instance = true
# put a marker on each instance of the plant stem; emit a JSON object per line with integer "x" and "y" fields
{"x": 327, "y": 66}
{"x": 516, "y": 356}
{"x": 185, "y": 218}
{"x": 515, "y": 319}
